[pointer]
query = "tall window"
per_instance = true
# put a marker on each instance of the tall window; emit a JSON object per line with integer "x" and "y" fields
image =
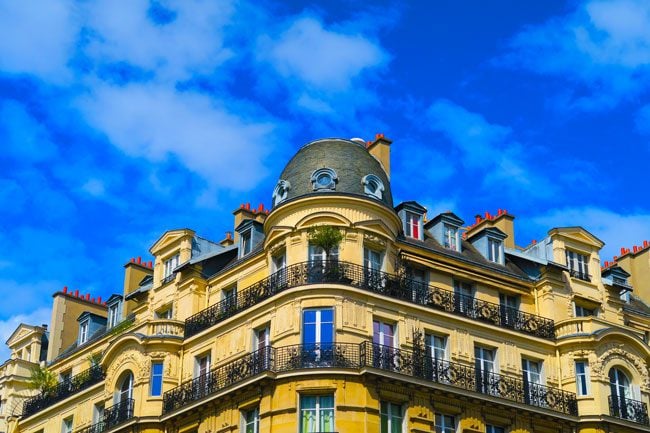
{"x": 383, "y": 338}
{"x": 463, "y": 296}
{"x": 83, "y": 332}
{"x": 113, "y": 315}
{"x": 66, "y": 425}
{"x": 318, "y": 326}
{"x": 316, "y": 413}
{"x": 582, "y": 378}
{"x": 392, "y": 417}
{"x": 489, "y": 428}
{"x": 317, "y": 254}
{"x": 509, "y": 306}
{"x": 484, "y": 360}
{"x": 578, "y": 265}
{"x": 171, "y": 264}
{"x": 619, "y": 384}
{"x": 532, "y": 371}
{"x": 412, "y": 228}
{"x": 279, "y": 262}
{"x": 436, "y": 346}
{"x": 450, "y": 237}
{"x": 229, "y": 298}
{"x": 251, "y": 420}
{"x": 371, "y": 259}
{"x": 246, "y": 242}
{"x": 420, "y": 285}
{"x": 155, "y": 385}
{"x": 202, "y": 365}
{"x": 445, "y": 423}
{"x": 494, "y": 250}
{"x": 98, "y": 413}
{"x": 584, "y": 311}
{"x": 125, "y": 388}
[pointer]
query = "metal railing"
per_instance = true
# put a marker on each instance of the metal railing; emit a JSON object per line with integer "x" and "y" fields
{"x": 374, "y": 356}
{"x": 394, "y": 286}
{"x": 63, "y": 390}
{"x": 113, "y": 416}
{"x": 628, "y": 409}
{"x": 581, "y": 275}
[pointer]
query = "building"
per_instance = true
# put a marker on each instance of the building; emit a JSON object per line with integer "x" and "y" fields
{"x": 407, "y": 323}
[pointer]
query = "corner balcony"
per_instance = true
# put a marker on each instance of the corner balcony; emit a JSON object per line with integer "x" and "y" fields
{"x": 363, "y": 358}
{"x": 113, "y": 416}
{"x": 628, "y": 409}
{"x": 63, "y": 390}
{"x": 383, "y": 283}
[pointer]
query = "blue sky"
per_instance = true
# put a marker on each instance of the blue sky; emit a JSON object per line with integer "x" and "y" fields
{"x": 122, "y": 119}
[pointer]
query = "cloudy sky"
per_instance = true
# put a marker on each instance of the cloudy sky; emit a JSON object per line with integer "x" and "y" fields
{"x": 122, "y": 119}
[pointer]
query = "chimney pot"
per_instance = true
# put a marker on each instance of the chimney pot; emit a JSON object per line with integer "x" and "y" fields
{"x": 65, "y": 289}
{"x": 132, "y": 259}
{"x": 139, "y": 260}
{"x": 622, "y": 251}
{"x": 76, "y": 293}
{"x": 150, "y": 264}
{"x": 87, "y": 296}
{"x": 99, "y": 299}
{"x": 635, "y": 248}
{"x": 615, "y": 258}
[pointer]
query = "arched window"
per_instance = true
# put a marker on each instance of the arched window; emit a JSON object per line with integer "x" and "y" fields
{"x": 124, "y": 391}
{"x": 373, "y": 186}
{"x": 324, "y": 179}
{"x": 280, "y": 192}
{"x": 620, "y": 384}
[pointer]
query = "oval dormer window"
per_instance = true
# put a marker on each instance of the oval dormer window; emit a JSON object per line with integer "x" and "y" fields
{"x": 281, "y": 191}
{"x": 324, "y": 179}
{"x": 373, "y": 186}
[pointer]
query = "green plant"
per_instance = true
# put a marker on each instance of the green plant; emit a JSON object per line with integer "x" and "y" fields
{"x": 122, "y": 326}
{"x": 326, "y": 237}
{"x": 94, "y": 358}
{"x": 42, "y": 379}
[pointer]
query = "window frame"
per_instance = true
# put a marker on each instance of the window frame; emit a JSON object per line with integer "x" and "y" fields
{"x": 378, "y": 190}
{"x": 319, "y": 409}
{"x": 390, "y": 416}
{"x": 412, "y": 221}
{"x": 433, "y": 350}
{"x": 440, "y": 423}
{"x": 169, "y": 265}
{"x": 450, "y": 232}
{"x": 67, "y": 424}
{"x": 318, "y": 326}
{"x": 582, "y": 378}
{"x": 495, "y": 250}
{"x": 84, "y": 330}
{"x": 199, "y": 371}
{"x": 578, "y": 264}
{"x": 156, "y": 379}
{"x": 255, "y": 411}
{"x": 322, "y": 174}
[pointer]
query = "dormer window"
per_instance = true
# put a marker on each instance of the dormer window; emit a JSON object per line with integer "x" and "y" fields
{"x": 373, "y": 186}
{"x": 83, "y": 331}
{"x": 578, "y": 265}
{"x": 495, "y": 248}
{"x": 281, "y": 191}
{"x": 411, "y": 213}
{"x": 412, "y": 228}
{"x": 171, "y": 264}
{"x": 251, "y": 233}
{"x": 445, "y": 228}
{"x": 246, "y": 242}
{"x": 324, "y": 179}
{"x": 451, "y": 237}
{"x": 113, "y": 315}
{"x": 489, "y": 242}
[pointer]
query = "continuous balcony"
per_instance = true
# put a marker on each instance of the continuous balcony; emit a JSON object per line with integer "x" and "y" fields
{"x": 63, "y": 390}
{"x": 364, "y": 358}
{"x": 628, "y": 409}
{"x": 113, "y": 416}
{"x": 383, "y": 283}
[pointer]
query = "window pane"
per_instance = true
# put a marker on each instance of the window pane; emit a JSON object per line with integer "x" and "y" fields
{"x": 326, "y": 315}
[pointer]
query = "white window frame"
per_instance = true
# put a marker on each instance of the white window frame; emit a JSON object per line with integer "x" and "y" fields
{"x": 98, "y": 412}
{"x": 368, "y": 182}
{"x": 246, "y": 242}
{"x": 318, "y": 410}
{"x": 411, "y": 220}
{"x": 170, "y": 264}
{"x": 389, "y": 406}
{"x": 577, "y": 263}
{"x": 582, "y": 389}
{"x": 482, "y": 350}
{"x": 198, "y": 369}
{"x": 432, "y": 342}
{"x": 441, "y": 421}
{"x": 450, "y": 236}
{"x": 580, "y": 311}
{"x": 373, "y": 260}
{"x": 495, "y": 248}
{"x": 256, "y": 337}
{"x": 382, "y": 336}
{"x": 281, "y": 191}
{"x": 255, "y": 422}
{"x": 530, "y": 375}
{"x": 84, "y": 328}
{"x": 113, "y": 315}
{"x": 67, "y": 425}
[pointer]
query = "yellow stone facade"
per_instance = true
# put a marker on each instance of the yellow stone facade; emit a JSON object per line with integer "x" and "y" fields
{"x": 428, "y": 333}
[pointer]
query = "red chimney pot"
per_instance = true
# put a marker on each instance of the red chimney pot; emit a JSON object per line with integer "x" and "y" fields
{"x": 76, "y": 293}
{"x": 99, "y": 299}
{"x": 65, "y": 289}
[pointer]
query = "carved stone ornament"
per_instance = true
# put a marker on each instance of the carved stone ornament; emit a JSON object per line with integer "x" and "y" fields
{"x": 370, "y": 238}
{"x": 618, "y": 353}
{"x": 129, "y": 359}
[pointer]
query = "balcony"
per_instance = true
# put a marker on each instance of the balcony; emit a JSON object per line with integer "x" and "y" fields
{"x": 113, "y": 416}
{"x": 628, "y": 409}
{"x": 581, "y": 275}
{"x": 161, "y": 328}
{"x": 364, "y": 356}
{"x": 383, "y": 283}
{"x": 63, "y": 390}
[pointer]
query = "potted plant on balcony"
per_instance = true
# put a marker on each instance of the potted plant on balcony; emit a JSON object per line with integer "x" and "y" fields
{"x": 328, "y": 238}
{"x": 42, "y": 379}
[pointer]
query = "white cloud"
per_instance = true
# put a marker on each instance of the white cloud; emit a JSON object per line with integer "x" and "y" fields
{"x": 94, "y": 187}
{"x": 615, "y": 229}
{"x": 156, "y": 122}
{"x": 321, "y": 58}
{"x": 489, "y": 148}
{"x": 602, "y": 49}
{"x": 191, "y": 42}
{"x": 38, "y": 39}
{"x": 8, "y": 326}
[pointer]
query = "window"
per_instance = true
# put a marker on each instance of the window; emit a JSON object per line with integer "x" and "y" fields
{"x": 412, "y": 228}
{"x": 383, "y": 333}
{"x": 318, "y": 326}
{"x": 261, "y": 338}
{"x": 494, "y": 250}
{"x": 324, "y": 179}
{"x": 419, "y": 285}
{"x": 384, "y": 342}
{"x": 2, "y": 406}
{"x": 164, "y": 313}
{"x": 316, "y": 413}
{"x": 371, "y": 260}
{"x": 279, "y": 262}
{"x": 619, "y": 384}
{"x": 83, "y": 332}
{"x": 155, "y": 385}
{"x": 489, "y": 428}
{"x": 532, "y": 371}
{"x": 436, "y": 346}
{"x": 125, "y": 390}
{"x": 65, "y": 376}
{"x": 113, "y": 315}
{"x": 66, "y": 425}
{"x": 450, "y": 237}
{"x": 319, "y": 268}
{"x": 281, "y": 191}
{"x": 578, "y": 265}
{"x": 484, "y": 362}
{"x": 317, "y": 254}
{"x": 202, "y": 365}
{"x": 509, "y": 309}
{"x": 261, "y": 346}
{"x": 246, "y": 242}
{"x": 170, "y": 265}
{"x": 584, "y": 312}
{"x": 251, "y": 420}
{"x": 229, "y": 299}
{"x": 98, "y": 413}
{"x": 373, "y": 186}
{"x": 463, "y": 297}
{"x": 392, "y": 417}
{"x": 582, "y": 378}
{"x": 445, "y": 423}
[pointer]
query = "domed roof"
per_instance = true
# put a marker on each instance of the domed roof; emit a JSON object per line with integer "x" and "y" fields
{"x": 333, "y": 166}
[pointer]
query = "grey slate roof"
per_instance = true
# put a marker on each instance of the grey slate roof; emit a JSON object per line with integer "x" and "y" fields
{"x": 350, "y": 160}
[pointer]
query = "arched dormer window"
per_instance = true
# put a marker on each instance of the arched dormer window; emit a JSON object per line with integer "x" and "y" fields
{"x": 281, "y": 191}
{"x": 324, "y": 179}
{"x": 124, "y": 391}
{"x": 373, "y": 186}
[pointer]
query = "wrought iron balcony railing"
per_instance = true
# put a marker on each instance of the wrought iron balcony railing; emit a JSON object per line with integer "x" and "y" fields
{"x": 368, "y": 355}
{"x": 581, "y": 275}
{"x": 394, "y": 286}
{"x": 63, "y": 390}
{"x": 113, "y": 416}
{"x": 626, "y": 408}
